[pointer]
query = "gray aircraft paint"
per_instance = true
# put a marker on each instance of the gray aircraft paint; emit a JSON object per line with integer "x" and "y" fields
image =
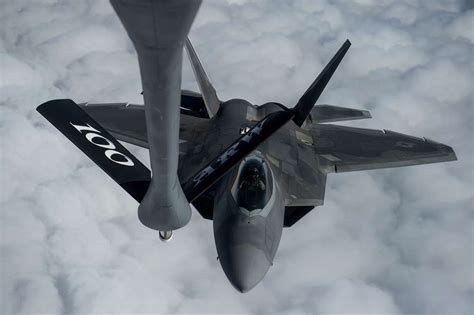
{"x": 209, "y": 94}
{"x": 246, "y": 241}
{"x": 298, "y": 159}
{"x": 299, "y": 168}
{"x": 158, "y": 30}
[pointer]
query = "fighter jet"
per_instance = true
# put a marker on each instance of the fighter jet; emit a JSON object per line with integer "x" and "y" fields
{"x": 252, "y": 169}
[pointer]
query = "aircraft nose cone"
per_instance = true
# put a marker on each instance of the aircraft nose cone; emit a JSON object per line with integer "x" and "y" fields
{"x": 245, "y": 266}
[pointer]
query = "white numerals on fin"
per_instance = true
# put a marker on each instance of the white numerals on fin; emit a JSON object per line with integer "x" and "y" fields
{"x": 92, "y": 133}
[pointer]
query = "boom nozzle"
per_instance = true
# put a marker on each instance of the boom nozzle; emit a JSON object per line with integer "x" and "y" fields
{"x": 165, "y": 236}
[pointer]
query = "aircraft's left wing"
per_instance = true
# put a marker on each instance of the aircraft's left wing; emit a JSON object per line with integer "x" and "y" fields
{"x": 345, "y": 149}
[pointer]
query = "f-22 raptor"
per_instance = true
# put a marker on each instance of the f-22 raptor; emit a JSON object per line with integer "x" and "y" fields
{"x": 251, "y": 169}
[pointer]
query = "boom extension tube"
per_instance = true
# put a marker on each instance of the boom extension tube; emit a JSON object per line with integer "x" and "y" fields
{"x": 158, "y": 30}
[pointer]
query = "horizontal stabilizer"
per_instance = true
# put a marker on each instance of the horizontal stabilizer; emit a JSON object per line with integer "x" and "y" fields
{"x": 99, "y": 145}
{"x": 330, "y": 113}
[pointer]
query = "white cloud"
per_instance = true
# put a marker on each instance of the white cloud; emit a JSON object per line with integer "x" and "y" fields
{"x": 360, "y": 298}
{"x": 463, "y": 26}
{"x": 388, "y": 241}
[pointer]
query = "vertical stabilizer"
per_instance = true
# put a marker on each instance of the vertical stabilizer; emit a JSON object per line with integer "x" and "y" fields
{"x": 309, "y": 98}
{"x": 207, "y": 90}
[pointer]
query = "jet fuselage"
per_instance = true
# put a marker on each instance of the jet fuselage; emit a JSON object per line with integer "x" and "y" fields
{"x": 248, "y": 207}
{"x": 248, "y": 222}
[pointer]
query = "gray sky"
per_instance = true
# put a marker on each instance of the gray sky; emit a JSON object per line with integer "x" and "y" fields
{"x": 387, "y": 241}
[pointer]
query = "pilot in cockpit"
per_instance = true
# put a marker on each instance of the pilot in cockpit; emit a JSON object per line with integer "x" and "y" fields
{"x": 255, "y": 183}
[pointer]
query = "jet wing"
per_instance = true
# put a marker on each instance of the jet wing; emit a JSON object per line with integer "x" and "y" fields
{"x": 345, "y": 149}
{"x": 126, "y": 122}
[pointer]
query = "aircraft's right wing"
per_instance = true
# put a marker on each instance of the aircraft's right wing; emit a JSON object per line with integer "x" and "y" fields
{"x": 345, "y": 149}
{"x": 126, "y": 122}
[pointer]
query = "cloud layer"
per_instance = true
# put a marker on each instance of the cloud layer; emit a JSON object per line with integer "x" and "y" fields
{"x": 387, "y": 241}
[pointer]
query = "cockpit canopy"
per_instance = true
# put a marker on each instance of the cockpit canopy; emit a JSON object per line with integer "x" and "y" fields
{"x": 254, "y": 184}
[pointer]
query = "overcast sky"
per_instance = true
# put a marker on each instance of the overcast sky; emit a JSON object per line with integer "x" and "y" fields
{"x": 386, "y": 241}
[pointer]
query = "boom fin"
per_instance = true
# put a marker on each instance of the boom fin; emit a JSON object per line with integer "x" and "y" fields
{"x": 99, "y": 145}
{"x": 309, "y": 98}
{"x": 208, "y": 92}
